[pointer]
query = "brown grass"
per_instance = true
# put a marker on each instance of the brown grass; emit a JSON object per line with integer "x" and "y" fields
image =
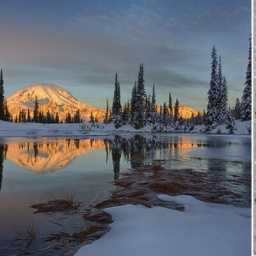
{"x": 28, "y": 236}
{"x": 57, "y": 205}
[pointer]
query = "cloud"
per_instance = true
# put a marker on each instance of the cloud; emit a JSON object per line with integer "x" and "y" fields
{"x": 87, "y": 46}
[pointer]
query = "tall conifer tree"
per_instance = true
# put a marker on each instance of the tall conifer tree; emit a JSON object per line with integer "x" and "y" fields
{"x": 247, "y": 93}
{"x": 36, "y": 111}
{"x": 140, "y": 119}
{"x": 170, "y": 105}
{"x": 117, "y": 108}
{"x": 153, "y": 105}
{"x": 176, "y": 110}
{"x": 213, "y": 93}
{"x": 106, "y": 119}
{"x": 133, "y": 103}
{"x": 2, "y": 101}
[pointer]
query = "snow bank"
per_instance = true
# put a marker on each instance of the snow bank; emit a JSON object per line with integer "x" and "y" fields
{"x": 8, "y": 129}
{"x": 202, "y": 229}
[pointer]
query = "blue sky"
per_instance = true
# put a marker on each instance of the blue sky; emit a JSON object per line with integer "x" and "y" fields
{"x": 81, "y": 44}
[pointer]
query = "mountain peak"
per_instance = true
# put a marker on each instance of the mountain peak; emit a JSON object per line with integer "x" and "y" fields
{"x": 45, "y": 93}
{"x": 50, "y": 97}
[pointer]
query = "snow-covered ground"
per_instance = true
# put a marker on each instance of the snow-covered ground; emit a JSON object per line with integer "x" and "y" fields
{"x": 8, "y": 129}
{"x": 202, "y": 229}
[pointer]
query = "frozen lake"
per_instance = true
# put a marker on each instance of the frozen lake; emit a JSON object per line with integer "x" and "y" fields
{"x": 34, "y": 170}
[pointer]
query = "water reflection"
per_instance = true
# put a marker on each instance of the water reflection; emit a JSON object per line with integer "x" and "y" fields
{"x": 52, "y": 155}
{"x": 3, "y": 151}
{"x": 219, "y": 165}
{"x": 42, "y": 157}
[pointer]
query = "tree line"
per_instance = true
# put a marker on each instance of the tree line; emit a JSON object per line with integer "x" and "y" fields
{"x": 142, "y": 109}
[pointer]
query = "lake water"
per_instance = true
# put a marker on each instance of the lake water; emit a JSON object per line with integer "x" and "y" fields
{"x": 34, "y": 170}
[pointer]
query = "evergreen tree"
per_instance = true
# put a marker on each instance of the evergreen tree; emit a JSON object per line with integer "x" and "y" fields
{"x": 91, "y": 118}
{"x": 125, "y": 114}
{"x": 176, "y": 110}
{"x": 6, "y": 112}
{"x": 57, "y": 119}
{"x": 160, "y": 115}
{"x": 213, "y": 93}
{"x": 133, "y": 103}
{"x": 140, "y": 119}
{"x": 48, "y": 117}
{"x": 23, "y": 116}
{"x": 2, "y": 101}
{"x": 170, "y": 106}
{"x": 36, "y": 111}
{"x": 237, "y": 110}
{"x": 106, "y": 119}
{"x": 77, "y": 118}
{"x": 147, "y": 109}
{"x": 28, "y": 116}
{"x": 68, "y": 118}
{"x": 117, "y": 108}
{"x": 230, "y": 122}
{"x": 223, "y": 101}
{"x": 41, "y": 117}
{"x": 165, "y": 115}
{"x": 20, "y": 117}
{"x": 153, "y": 106}
{"x": 217, "y": 105}
{"x": 247, "y": 93}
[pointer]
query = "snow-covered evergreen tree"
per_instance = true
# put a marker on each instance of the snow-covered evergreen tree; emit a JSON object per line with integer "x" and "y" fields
{"x": 106, "y": 118}
{"x": 247, "y": 93}
{"x": 139, "y": 117}
{"x": 116, "y": 116}
{"x": 221, "y": 113}
{"x": 160, "y": 115}
{"x": 153, "y": 105}
{"x": 236, "y": 112}
{"x": 2, "y": 101}
{"x": 133, "y": 103}
{"x": 125, "y": 113}
{"x": 230, "y": 122}
{"x": 213, "y": 93}
{"x": 148, "y": 109}
{"x": 176, "y": 110}
{"x": 165, "y": 115}
{"x": 170, "y": 106}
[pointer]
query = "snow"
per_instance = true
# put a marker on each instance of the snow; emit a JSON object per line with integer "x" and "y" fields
{"x": 201, "y": 229}
{"x": 8, "y": 129}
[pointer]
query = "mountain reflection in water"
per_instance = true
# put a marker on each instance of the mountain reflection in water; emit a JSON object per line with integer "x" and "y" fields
{"x": 53, "y": 155}
{"x": 50, "y": 156}
{"x": 40, "y": 157}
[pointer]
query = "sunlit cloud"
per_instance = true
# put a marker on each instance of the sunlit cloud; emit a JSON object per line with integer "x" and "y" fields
{"x": 84, "y": 44}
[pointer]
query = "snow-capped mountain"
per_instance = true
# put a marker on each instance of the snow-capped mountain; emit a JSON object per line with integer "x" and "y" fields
{"x": 53, "y": 98}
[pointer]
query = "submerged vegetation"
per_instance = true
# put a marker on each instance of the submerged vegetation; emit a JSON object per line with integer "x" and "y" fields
{"x": 28, "y": 236}
{"x": 57, "y": 205}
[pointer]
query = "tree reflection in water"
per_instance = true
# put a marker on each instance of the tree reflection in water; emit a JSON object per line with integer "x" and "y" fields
{"x": 3, "y": 151}
{"x": 133, "y": 149}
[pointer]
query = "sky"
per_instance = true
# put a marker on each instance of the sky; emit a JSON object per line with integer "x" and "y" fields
{"x": 80, "y": 45}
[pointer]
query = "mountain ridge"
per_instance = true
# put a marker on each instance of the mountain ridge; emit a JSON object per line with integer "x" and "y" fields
{"x": 56, "y": 99}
